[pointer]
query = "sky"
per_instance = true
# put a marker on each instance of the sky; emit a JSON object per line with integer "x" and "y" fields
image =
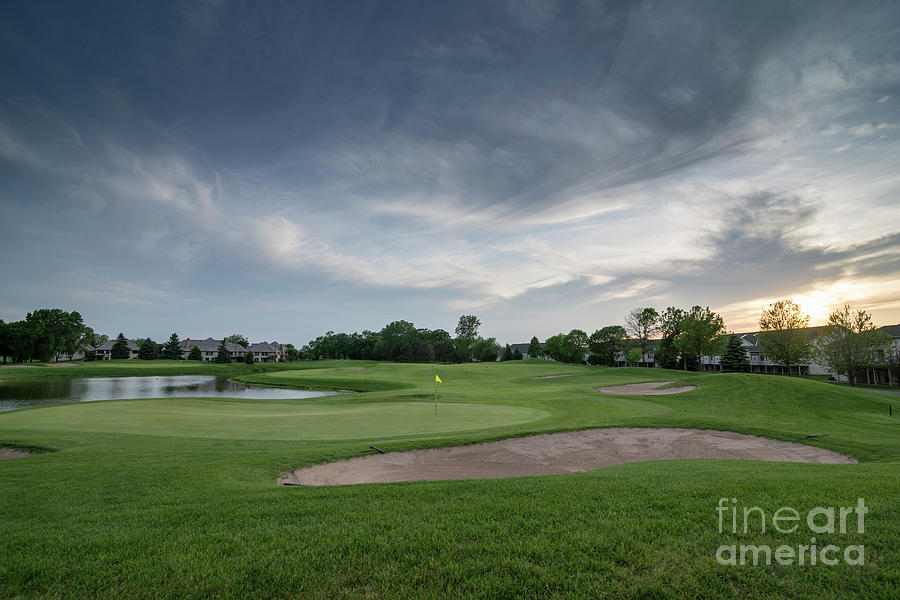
{"x": 282, "y": 169}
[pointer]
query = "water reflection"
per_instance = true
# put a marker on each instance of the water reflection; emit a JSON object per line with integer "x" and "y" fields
{"x": 22, "y": 394}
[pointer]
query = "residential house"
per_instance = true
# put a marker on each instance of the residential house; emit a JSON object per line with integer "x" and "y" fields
{"x": 759, "y": 363}
{"x": 209, "y": 349}
{"x": 264, "y": 352}
{"x": 104, "y": 351}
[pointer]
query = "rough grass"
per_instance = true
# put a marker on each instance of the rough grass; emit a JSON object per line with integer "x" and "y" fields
{"x": 116, "y": 514}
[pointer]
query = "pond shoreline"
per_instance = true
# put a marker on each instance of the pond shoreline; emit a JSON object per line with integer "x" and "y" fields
{"x": 22, "y": 394}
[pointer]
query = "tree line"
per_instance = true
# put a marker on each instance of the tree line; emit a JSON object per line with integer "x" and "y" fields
{"x": 685, "y": 337}
{"x": 848, "y": 343}
{"x": 45, "y": 335}
{"x": 402, "y": 341}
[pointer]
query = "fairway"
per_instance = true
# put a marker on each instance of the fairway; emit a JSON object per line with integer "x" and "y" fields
{"x": 258, "y": 420}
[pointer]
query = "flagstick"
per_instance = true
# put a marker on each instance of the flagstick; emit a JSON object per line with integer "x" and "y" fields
{"x": 435, "y": 396}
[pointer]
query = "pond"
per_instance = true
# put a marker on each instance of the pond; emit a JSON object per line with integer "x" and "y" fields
{"x": 38, "y": 392}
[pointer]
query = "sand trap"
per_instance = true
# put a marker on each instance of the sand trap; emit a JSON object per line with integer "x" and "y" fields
{"x": 645, "y": 389}
{"x": 554, "y": 453}
{"x": 14, "y": 453}
{"x": 553, "y": 376}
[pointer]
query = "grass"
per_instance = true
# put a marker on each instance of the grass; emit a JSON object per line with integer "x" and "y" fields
{"x": 176, "y": 498}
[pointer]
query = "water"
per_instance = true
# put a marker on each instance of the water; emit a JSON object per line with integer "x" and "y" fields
{"x": 39, "y": 392}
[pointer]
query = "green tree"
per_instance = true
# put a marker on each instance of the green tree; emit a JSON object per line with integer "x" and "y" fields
{"x": 444, "y": 350}
{"x": 172, "y": 349}
{"x": 148, "y": 350}
{"x": 466, "y": 334}
{"x": 851, "y": 342}
{"x": 248, "y": 358}
{"x": 783, "y": 336}
{"x": 641, "y": 324}
{"x": 605, "y": 344}
{"x": 666, "y": 354}
{"x": 20, "y": 341}
{"x": 195, "y": 354}
{"x": 575, "y": 345}
{"x": 222, "y": 354}
{"x": 507, "y": 354}
{"x": 86, "y": 343}
{"x": 517, "y": 354}
{"x": 534, "y": 348}
{"x": 554, "y": 347}
{"x": 291, "y": 353}
{"x": 486, "y": 350}
{"x": 4, "y": 341}
{"x": 237, "y": 338}
{"x": 56, "y": 332}
{"x": 120, "y": 348}
{"x": 700, "y": 334}
{"x": 635, "y": 355}
{"x": 735, "y": 358}
{"x": 892, "y": 364}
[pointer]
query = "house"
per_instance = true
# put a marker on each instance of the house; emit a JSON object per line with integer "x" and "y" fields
{"x": 80, "y": 354}
{"x": 265, "y": 352}
{"x": 104, "y": 350}
{"x": 209, "y": 349}
{"x": 759, "y": 363}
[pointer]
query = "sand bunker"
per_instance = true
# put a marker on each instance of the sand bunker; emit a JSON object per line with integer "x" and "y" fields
{"x": 554, "y": 453}
{"x": 553, "y": 376}
{"x": 645, "y": 389}
{"x": 14, "y": 453}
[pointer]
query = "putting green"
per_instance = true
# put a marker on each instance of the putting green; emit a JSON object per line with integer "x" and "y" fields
{"x": 209, "y": 418}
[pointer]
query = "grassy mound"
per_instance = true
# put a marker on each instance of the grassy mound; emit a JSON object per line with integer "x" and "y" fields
{"x": 156, "y": 510}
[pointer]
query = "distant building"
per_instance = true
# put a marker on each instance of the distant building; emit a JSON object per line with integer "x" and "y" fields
{"x": 523, "y": 348}
{"x": 759, "y": 363}
{"x": 104, "y": 350}
{"x": 268, "y": 353}
{"x": 265, "y": 352}
{"x": 209, "y": 349}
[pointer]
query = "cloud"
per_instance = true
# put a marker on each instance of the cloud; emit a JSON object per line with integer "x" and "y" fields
{"x": 509, "y": 158}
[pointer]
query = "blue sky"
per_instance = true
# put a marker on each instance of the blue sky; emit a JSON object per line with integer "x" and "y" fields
{"x": 281, "y": 169}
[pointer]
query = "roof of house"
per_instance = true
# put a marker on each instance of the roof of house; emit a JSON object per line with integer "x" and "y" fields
{"x": 262, "y": 347}
{"x": 109, "y": 344}
{"x": 209, "y": 345}
{"x": 892, "y": 330}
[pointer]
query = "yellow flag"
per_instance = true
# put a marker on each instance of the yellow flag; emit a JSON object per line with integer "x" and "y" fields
{"x": 437, "y": 379}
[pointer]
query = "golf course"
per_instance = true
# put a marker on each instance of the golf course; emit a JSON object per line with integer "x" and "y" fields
{"x": 179, "y": 497}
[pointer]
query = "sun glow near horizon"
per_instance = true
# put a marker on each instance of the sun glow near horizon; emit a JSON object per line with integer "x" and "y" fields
{"x": 877, "y": 297}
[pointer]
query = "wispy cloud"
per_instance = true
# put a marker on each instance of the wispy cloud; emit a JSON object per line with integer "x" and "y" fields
{"x": 431, "y": 160}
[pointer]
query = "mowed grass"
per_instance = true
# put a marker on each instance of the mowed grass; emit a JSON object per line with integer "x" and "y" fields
{"x": 270, "y": 420}
{"x": 161, "y": 511}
